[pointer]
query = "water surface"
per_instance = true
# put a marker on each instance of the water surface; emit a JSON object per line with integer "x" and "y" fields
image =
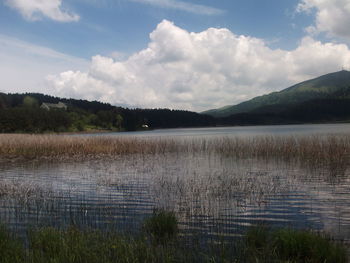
{"x": 212, "y": 194}
{"x": 241, "y": 131}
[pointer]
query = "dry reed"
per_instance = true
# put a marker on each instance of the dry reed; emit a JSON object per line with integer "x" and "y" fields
{"x": 332, "y": 150}
{"x": 51, "y": 146}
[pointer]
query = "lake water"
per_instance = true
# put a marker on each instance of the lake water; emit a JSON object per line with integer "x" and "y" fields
{"x": 241, "y": 131}
{"x": 213, "y": 195}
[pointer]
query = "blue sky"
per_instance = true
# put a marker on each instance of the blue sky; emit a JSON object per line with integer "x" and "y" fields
{"x": 123, "y": 25}
{"x": 193, "y": 55}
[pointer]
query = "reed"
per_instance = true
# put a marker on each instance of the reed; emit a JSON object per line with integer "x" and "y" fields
{"x": 56, "y": 147}
{"x": 24, "y": 192}
{"x": 190, "y": 176}
{"x": 331, "y": 150}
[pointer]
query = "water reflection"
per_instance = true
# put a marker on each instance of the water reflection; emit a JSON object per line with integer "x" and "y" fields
{"x": 212, "y": 194}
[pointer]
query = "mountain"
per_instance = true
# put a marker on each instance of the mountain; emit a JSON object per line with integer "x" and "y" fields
{"x": 330, "y": 86}
{"x": 312, "y": 111}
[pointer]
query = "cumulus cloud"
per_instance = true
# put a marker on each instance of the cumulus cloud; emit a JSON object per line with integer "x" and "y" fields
{"x": 332, "y": 16}
{"x": 197, "y": 71}
{"x": 183, "y": 6}
{"x": 35, "y": 9}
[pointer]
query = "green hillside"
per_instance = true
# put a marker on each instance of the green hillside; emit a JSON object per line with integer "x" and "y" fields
{"x": 329, "y": 86}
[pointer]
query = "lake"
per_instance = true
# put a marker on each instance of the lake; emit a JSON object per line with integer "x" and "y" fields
{"x": 240, "y": 176}
{"x": 245, "y": 131}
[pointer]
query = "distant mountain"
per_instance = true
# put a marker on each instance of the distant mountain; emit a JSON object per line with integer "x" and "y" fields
{"x": 312, "y": 111}
{"x": 330, "y": 86}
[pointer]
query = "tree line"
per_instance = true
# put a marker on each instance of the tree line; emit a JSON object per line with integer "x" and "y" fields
{"x": 22, "y": 113}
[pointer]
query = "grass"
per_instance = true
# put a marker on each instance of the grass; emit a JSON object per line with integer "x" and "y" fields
{"x": 162, "y": 226}
{"x": 22, "y": 191}
{"x": 332, "y": 151}
{"x": 57, "y": 147}
{"x": 289, "y": 245}
{"x": 259, "y": 245}
{"x": 73, "y": 245}
{"x": 11, "y": 248}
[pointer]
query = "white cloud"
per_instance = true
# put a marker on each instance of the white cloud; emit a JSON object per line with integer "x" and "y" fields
{"x": 23, "y": 66}
{"x": 183, "y": 6}
{"x": 332, "y": 16}
{"x": 35, "y": 9}
{"x": 197, "y": 71}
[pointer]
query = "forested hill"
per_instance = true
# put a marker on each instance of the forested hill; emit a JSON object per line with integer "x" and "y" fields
{"x": 321, "y": 100}
{"x": 330, "y": 86}
{"x": 23, "y": 113}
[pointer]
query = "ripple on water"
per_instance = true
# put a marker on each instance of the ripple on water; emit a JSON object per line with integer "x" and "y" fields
{"x": 211, "y": 195}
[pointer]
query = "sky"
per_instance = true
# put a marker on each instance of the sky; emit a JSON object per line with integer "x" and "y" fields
{"x": 181, "y": 54}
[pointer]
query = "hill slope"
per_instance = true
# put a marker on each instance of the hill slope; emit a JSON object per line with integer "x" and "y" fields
{"x": 330, "y": 86}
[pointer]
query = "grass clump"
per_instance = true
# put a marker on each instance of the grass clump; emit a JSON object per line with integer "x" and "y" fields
{"x": 162, "y": 226}
{"x": 75, "y": 246}
{"x": 11, "y": 249}
{"x": 290, "y": 245}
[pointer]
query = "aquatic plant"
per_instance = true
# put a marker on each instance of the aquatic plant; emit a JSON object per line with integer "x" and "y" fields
{"x": 24, "y": 191}
{"x": 262, "y": 244}
{"x": 206, "y": 182}
{"x": 77, "y": 246}
{"x": 161, "y": 226}
{"x": 11, "y": 248}
{"x": 329, "y": 151}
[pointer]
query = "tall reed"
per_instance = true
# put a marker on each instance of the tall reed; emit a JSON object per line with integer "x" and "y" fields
{"x": 331, "y": 151}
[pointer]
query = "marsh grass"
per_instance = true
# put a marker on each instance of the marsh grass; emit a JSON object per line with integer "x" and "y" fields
{"x": 260, "y": 244}
{"x": 209, "y": 177}
{"x": 329, "y": 151}
{"x": 24, "y": 192}
{"x": 73, "y": 245}
{"x": 194, "y": 177}
{"x": 162, "y": 226}
{"x": 11, "y": 248}
{"x": 58, "y": 147}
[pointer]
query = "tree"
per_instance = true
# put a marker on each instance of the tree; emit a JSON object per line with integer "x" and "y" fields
{"x": 30, "y": 102}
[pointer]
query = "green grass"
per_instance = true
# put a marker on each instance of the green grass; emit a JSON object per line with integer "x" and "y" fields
{"x": 162, "y": 226}
{"x": 73, "y": 246}
{"x": 260, "y": 244}
{"x": 289, "y": 245}
{"x": 11, "y": 248}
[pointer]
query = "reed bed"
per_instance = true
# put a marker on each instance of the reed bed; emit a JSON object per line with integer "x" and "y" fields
{"x": 258, "y": 245}
{"x": 191, "y": 176}
{"x": 309, "y": 148}
{"x": 331, "y": 151}
{"x": 52, "y": 146}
